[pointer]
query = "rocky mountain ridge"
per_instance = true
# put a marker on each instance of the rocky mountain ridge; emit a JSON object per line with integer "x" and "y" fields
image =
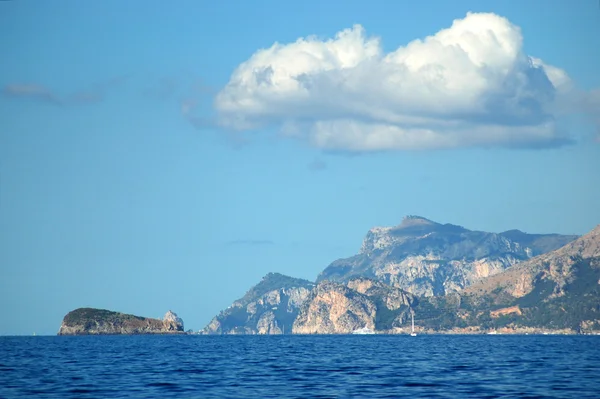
{"x": 559, "y": 290}
{"x": 554, "y": 266}
{"x": 270, "y": 307}
{"x": 431, "y": 259}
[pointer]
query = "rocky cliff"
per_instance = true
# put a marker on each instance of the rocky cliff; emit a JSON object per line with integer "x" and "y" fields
{"x": 335, "y": 308}
{"x": 556, "y": 290}
{"x": 89, "y": 321}
{"x": 556, "y": 268}
{"x": 428, "y": 258}
{"x": 270, "y": 307}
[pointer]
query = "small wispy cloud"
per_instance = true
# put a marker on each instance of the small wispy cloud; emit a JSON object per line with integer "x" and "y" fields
{"x": 83, "y": 97}
{"x": 199, "y": 87}
{"x": 163, "y": 89}
{"x": 234, "y": 139}
{"x": 31, "y": 91}
{"x": 317, "y": 165}
{"x": 249, "y": 242}
{"x": 192, "y": 98}
{"x": 592, "y": 109}
{"x": 37, "y": 92}
{"x": 187, "y": 106}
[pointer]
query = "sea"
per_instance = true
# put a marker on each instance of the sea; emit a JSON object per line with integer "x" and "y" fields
{"x": 296, "y": 366}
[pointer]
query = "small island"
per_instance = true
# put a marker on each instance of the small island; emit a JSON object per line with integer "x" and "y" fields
{"x": 90, "y": 321}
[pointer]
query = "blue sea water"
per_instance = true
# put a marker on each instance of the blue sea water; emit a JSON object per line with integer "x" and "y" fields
{"x": 353, "y": 366}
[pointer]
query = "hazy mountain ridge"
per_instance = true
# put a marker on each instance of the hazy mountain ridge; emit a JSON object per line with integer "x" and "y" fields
{"x": 269, "y": 307}
{"x": 428, "y": 258}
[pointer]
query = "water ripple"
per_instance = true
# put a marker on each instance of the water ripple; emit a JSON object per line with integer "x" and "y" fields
{"x": 300, "y": 367}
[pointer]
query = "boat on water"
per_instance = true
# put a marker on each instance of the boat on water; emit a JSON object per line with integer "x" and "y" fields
{"x": 412, "y": 331}
{"x": 363, "y": 331}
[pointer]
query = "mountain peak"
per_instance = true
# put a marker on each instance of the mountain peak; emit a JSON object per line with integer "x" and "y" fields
{"x": 273, "y": 281}
{"x": 587, "y": 245}
{"x": 272, "y": 275}
{"x": 414, "y": 220}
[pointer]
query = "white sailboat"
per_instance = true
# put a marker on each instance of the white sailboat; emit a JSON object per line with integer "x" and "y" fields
{"x": 412, "y": 331}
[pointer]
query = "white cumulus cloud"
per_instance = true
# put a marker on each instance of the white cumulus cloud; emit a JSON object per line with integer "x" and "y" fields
{"x": 468, "y": 85}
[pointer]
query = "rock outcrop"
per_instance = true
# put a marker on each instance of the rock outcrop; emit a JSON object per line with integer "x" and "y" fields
{"x": 89, "y": 321}
{"x": 335, "y": 308}
{"x": 270, "y": 307}
{"x": 172, "y": 322}
{"x": 432, "y": 259}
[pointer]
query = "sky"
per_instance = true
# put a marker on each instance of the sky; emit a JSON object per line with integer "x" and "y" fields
{"x": 158, "y": 156}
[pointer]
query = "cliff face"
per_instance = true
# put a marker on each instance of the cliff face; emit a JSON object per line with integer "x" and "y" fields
{"x": 270, "y": 307}
{"x": 427, "y": 258}
{"x": 556, "y": 290}
{"x": 335, "y": 308}
{"x": 556, "y": 268}
{"x": 89, "y": 321}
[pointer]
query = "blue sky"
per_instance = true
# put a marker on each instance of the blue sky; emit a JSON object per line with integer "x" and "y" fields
{"x": 157, "y": 156}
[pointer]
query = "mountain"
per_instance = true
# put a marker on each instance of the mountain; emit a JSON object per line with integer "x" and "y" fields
{"x": 270, "y": 307}
{"x": 335, "y": 308}
{"x": 89, "y": 321}
{"x": 432, "y": 259}
{"x": 454, "y": 279}
{"x": 556, "y": 290}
